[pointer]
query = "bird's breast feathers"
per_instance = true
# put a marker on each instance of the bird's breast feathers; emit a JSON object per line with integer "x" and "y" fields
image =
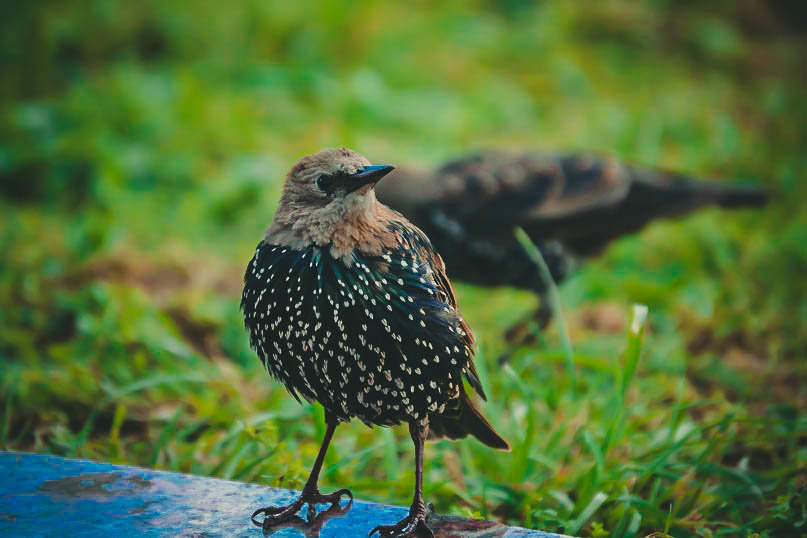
{"x": 379, "y": 337}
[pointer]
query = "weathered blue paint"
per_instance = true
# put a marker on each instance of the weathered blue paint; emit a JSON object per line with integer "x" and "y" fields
{"x": 51, "y": 496}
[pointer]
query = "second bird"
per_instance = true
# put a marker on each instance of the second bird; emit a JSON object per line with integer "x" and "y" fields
{"x": 571, "y": 205}
{"x": 348, "y": 304}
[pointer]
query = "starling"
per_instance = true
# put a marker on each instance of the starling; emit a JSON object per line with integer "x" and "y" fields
{"x": 348, "y": 304}
{"x": 571, "y": 205}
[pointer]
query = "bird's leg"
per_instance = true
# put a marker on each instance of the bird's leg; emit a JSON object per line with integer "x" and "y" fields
{"x": 544, "y": 313}
{"x": 274, "y": 515}
{"x": 523, "y": 332}
{"x": 415, "y": 523}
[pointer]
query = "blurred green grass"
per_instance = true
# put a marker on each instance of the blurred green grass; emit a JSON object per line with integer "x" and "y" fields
{"x": 142, "y": 147}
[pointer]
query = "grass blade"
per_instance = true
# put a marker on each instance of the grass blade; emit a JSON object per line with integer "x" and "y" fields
{"x": 6, "y": 425}
{"x": 587, "y": 512}
{"x": 554, "y": 302}
{"x": 165, "y": 435}
{"x": 634, "y": 345}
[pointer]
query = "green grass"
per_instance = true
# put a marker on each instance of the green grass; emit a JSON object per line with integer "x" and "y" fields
{"x": 142, "y": 148}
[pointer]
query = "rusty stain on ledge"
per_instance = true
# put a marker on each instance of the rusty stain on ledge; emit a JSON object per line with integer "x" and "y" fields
{"x": 92, "y": 485}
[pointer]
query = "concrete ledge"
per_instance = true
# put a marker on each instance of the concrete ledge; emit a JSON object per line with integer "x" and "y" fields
{"x": 50, "y": 496}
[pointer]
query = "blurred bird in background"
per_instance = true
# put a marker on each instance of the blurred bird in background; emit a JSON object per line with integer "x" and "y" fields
{"x": 348, "y": 304}
{"x": 571, "y": 206}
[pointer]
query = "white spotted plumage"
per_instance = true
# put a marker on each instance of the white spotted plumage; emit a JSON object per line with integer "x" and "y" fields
{"x": 386, "y": 307}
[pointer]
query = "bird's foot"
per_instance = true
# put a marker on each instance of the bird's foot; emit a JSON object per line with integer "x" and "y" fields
{"x": 412, "y": 525}
{"x": 276, "y": 515}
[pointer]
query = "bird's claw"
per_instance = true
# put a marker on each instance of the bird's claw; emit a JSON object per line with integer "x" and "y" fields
{"x": 276, "y": 515}
{"x": 412, "y": 525}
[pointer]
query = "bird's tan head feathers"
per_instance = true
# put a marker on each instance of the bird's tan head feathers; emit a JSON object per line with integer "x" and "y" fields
{"x": 328, "y": 200}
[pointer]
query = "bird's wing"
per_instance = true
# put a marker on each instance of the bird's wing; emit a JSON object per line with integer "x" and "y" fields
{"x": 442, "y": 325}
{"x": 582, "y": 200}
{"x": 468, "y": 337}
{"x": 415, "y": 242}
{"x": 491, "y": 192}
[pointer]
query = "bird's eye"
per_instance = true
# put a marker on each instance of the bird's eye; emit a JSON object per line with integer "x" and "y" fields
{"x": 324, "y": 182}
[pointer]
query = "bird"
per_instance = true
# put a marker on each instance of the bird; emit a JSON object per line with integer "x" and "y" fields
{"x": 571, "y": 205}
{"x": 347, "y": 304}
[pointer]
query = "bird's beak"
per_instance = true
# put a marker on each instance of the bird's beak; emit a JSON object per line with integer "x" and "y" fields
{"x": 369, "y": 175}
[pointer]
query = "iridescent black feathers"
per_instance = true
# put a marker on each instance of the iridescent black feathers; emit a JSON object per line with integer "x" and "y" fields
{"x": 379, "y": 338}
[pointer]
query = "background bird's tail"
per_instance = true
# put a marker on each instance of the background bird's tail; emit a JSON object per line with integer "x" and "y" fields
{"x": 674, "y": 194}
{"x": 731, "y": 196}
{"x": 466, "y": 420}
{"x": 652, "y": 194}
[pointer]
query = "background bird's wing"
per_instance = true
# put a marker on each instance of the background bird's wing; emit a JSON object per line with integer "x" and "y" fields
{"x": 491, "y": 192}
{"x": 581, "y": 200}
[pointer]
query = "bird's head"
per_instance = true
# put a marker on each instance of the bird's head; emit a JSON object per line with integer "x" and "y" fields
{"x": 332, "y": 177}
{"x": 328, "y": 198}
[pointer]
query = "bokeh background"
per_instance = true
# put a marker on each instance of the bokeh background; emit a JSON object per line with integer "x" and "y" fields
{"x": 142, "y": 149}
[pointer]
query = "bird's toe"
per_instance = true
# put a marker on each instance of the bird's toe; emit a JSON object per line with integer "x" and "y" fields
{"x": 275, "y": 515}
{"x": 413, "y": 525}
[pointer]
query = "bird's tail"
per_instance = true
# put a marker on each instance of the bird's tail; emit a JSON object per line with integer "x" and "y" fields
{"x": 466, "y": 420}
{"x": 655, "y": 194}
{"x": 731, "y": 196}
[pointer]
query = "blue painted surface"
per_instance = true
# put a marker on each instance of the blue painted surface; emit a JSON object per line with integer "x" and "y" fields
{"x": 51, "y": 496}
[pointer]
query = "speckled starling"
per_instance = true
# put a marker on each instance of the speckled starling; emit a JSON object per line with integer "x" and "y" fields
{"x": 571, "y": 205}
{"x": 348, "y": 304}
